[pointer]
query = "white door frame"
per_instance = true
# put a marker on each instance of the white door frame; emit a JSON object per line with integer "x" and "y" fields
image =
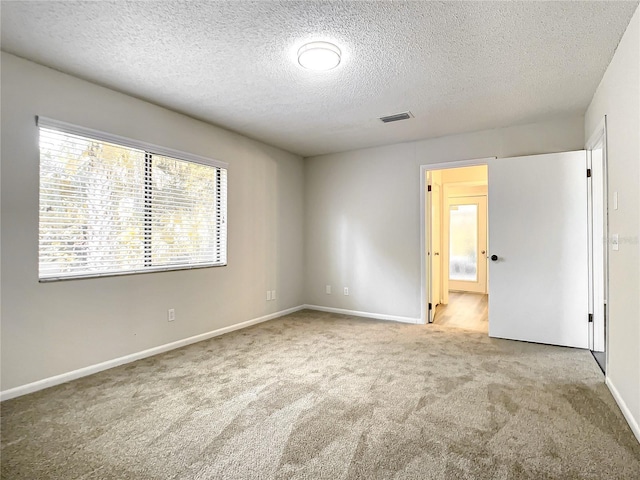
{"x": 599, "y": 137}
{"x": 456, "y": 189}
{"x": 425, "y": 260}
{"x": 436, "y": 192}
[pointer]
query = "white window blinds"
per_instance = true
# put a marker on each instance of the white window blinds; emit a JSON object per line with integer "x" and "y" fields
{"x": 111, "y": 205}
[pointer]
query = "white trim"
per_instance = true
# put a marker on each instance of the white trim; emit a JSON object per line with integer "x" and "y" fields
{"x": 600, "y": 131}
{"x": 90, "y": 370}
{"x": 426, "y": 264}
{"x": 423, "y": 269}
{"x": 457, "y": 164}
{"x": 599, "y": 135}
{"x": 633, "y": 423}
{"x": 162, "y": 268}
{"x": 125, "y": 141}
{"x": 355, "y": 313}
{"x": 424, "y": 298}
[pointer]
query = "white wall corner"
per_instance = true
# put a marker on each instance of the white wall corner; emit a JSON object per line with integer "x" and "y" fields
{"x": 355, "y": 313}
{"x": 633, "y": 422}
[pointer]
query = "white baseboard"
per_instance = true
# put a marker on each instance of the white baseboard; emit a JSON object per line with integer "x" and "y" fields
{"x": 633, "y": 423}
{"x": 377, "y": 316}
{"x": 83, "y": 372}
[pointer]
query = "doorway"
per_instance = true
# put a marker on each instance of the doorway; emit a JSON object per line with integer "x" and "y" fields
{"x": 457, "y": 246}
{"x": 537, "y": 247}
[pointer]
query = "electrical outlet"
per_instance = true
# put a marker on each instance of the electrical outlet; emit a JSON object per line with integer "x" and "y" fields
{"x": 327, "y": 289}
{"x": 346, "y": 290}
{"x": 171, "y": 314}
{"x": 268, "y": 295}
{"x": 273, "y": 294}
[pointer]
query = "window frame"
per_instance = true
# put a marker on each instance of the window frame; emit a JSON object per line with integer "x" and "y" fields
{"x": 149, "y": 150}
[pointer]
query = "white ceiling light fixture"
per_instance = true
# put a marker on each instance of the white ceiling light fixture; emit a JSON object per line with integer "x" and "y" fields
{"x": 319, "y": 56}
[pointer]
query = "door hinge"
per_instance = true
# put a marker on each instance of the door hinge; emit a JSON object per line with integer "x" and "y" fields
{"x": 588, "y": 173}
{"x": 428, "y": 188}
{"x": 591, "y": 318}
{"x": 430, "y": 306}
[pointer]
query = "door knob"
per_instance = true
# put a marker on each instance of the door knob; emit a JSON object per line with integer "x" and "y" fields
{"x": 437, "y": 253}
{"x": 494, "y": 257}
{"x": 483, "y": 252}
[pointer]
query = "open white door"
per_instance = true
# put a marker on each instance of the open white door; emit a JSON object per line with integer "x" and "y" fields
{"x": 428, "y": 205}
{"x": 436, "y": 259}
{"x": 538, "y": 249}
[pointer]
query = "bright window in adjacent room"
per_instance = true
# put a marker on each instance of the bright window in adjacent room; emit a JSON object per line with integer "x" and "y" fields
{"x": 463, "y": 242}
{"x": 111, "y": 205}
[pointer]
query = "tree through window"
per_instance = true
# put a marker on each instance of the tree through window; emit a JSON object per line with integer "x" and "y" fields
{"x": 108, "y": 208}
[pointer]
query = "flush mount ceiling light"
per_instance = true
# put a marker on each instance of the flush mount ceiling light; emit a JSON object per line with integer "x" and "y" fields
{"x": 319, "y": 56}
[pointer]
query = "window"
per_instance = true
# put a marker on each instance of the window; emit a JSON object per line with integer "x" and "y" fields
{"x": 111, "y": 205}
{"x": 463, "y": 242}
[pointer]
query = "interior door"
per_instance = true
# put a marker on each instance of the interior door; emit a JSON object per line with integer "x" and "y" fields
{"x": 538, "y": 249}
{"x": 436, "y": 238}
{"x": 468, "y": 244}
{"x": 598, "y": 258}
{"x": 428, "y": 212}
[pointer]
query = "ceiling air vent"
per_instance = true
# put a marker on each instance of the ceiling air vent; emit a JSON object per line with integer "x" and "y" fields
{"x": 397, "y": 117}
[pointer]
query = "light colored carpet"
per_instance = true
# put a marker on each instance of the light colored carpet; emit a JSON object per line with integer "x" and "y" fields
{"x": 321, "y": 396}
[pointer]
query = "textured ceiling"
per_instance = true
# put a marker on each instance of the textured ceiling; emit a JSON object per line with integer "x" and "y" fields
{"x": 458, "y": 66}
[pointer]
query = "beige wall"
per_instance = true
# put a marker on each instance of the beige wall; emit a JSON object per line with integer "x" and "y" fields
{"x": 618, "y": 97}
{"x": 53, "y": 328}
{"x": 477, "y": 174}
{"x": 362, "y": 212}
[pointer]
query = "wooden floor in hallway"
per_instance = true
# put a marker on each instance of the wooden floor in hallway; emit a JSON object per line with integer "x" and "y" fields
{"x": 469, "y": 311}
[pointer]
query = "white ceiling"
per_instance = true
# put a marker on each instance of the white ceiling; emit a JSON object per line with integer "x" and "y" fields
{"x": 458, "y": 66}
